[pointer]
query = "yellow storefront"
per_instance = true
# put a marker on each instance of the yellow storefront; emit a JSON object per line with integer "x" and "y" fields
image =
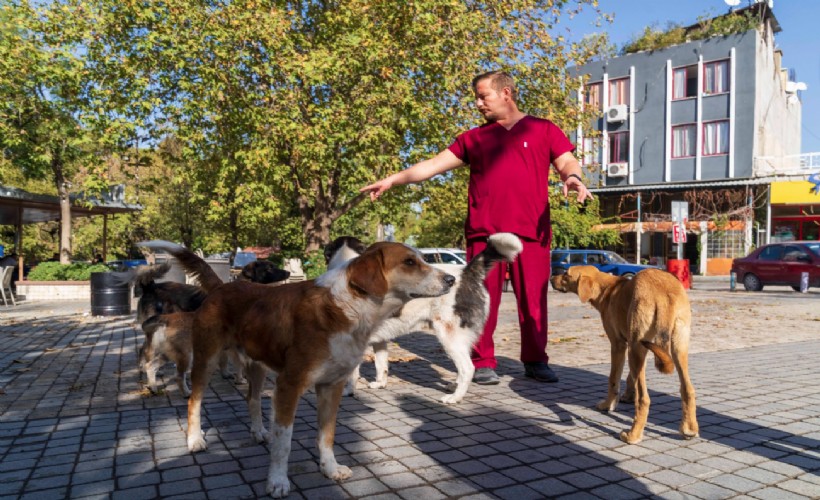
{"x": 795, "y": 207}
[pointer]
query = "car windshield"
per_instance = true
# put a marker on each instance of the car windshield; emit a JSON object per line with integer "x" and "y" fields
{"x": 615, "y": 258}
{"x": 461, "y": 255}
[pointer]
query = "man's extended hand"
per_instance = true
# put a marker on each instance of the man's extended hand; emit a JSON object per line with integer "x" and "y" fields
{"x": 574, "y": 184}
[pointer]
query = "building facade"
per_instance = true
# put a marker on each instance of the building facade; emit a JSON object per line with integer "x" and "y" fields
{"x": 693, "y": 122}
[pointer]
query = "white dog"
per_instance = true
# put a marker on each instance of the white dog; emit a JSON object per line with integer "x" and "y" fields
{"x": 457, "y": 317}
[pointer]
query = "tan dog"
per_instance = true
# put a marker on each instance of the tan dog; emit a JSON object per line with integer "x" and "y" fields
{"x": 650, "y": 311}
{"x": 312, "y": 333}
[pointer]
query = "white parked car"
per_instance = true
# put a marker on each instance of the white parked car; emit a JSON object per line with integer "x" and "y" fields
{"x": 445, "y": 258}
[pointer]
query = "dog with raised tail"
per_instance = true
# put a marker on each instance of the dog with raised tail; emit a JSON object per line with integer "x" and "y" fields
{"x": 311, "y": 333}
{"x": 457, "y": 318}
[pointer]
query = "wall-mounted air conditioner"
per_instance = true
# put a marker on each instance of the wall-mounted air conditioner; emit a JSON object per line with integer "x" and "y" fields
{"x": 617, "y": 170}
{"x": 616, "y": 113}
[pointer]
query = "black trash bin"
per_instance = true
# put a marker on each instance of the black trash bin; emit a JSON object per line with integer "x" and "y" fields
{"x": 109, "y": 295}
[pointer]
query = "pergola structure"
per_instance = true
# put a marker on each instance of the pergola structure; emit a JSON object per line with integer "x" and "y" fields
{"x": 18, "y": 207}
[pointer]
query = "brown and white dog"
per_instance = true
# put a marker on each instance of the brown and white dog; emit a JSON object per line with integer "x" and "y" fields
{"x": 167, "y": 338}
{"x": 312, "y": 333}
{"x": 649, "y": 312}
{"x": 457, "y": 317}
{"x": 160, "y": 308}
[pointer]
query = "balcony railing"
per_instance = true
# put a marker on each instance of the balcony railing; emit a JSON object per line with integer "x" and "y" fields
{"x": 803, "y": 164}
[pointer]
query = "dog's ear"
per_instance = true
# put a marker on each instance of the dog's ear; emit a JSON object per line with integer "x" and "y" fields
{"x": 587, "y": 288}
{"x": 365, "y": 274}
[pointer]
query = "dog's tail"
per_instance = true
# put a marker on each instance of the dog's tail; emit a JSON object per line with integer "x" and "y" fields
{"x": 663, "y": 360}
{"x": 191, "y": 262}
{"x": 500, "y": 247}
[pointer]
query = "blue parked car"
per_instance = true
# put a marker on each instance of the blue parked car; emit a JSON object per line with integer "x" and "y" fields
{"x": 604, "y": 260}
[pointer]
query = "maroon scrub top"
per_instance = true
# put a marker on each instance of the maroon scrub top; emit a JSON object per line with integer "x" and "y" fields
{"x": 509, "y": 172}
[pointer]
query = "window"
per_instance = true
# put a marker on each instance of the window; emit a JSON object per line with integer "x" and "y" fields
{"x": 619, "y": 147}
{"x": 716, "y": 138}
{"x": 794, "y": 254}
{"x": 619, "y": 91}
{"x": 448, "y": 258}
{"x": 592, "y": 151}
{"x": 770, "y": 253}
{"x": 683, "y": 141}
{"x": 593, "y": 259}
{"x": 576, "y": 258}
{"x": 558, "y": 257}
{"x": 429, "y": 258}
{"x": 716, "y": 77}
{"x": 592, "y": 96}
{"x": 685, "y": 82}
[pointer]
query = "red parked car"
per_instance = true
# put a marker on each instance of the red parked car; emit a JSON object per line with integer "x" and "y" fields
{"x": 779, "y": 264}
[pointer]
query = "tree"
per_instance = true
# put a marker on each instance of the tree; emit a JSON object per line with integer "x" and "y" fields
{"x": 287, "y": 108}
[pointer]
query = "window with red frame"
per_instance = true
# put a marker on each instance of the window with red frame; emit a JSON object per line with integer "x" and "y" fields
{"x": 619, "y": 147}
{"x": 619, "y": 91}
{"x": 685, "y": 82}
{"x": 716, "y": 138}
{"x": 592, "y": 96}
{"x": 716, "y": 77}
{"x": 683, "y": 140}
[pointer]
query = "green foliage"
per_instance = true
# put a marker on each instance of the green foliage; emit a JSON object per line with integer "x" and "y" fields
{"x": 313, "y": 263}
{"x": 573, "y": 224}
{"x": 707, "y": 27}
{"x": 54, "y": 271}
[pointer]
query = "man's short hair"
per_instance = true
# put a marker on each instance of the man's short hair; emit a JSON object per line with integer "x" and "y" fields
{"x": 498, "y": 80}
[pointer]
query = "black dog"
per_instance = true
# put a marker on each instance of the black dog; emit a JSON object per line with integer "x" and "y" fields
{"x": 263, "y": 271}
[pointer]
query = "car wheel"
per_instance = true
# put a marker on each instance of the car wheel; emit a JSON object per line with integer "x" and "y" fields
{"x": 628, "y": 276}
{"x": 752, "y": 283}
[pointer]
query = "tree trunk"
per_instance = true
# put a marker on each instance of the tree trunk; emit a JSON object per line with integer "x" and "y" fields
{"x": 65, "y": 207}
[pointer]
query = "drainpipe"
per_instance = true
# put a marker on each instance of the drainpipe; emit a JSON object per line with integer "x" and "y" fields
{"x": 638, "y": 232}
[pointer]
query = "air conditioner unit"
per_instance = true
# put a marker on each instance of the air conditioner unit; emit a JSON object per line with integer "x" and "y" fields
{"x": 616, "y": 113}
{"x": 617, "y": 170}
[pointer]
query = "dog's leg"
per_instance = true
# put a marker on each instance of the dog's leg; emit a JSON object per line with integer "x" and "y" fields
{"x": 618, "y": 355}
{"x": 637, "y": 369}
{"x": 200, "y": 374}
{"x": 283, "y": 411}
{"x": 239, "y": 366}
{"x": 380, "y": 355}
{"x": 680, "y": 355}
{"x": 223, "y": 365}
{"x": 256, "y": 380}
{"x": 183, "y": 363}
{"x": 629, "y": 393}
{"x": 352, "y": 382}
{"x": 457, "y": 344}
{"x": 328, "y": 397}
{"x": 151, "y": 367}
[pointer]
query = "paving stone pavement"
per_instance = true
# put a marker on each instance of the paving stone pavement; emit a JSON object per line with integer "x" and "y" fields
{"x": 75, "y": 422}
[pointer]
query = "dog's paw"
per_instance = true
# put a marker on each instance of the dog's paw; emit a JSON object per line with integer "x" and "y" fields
{"x": 240, "y": 380}
{"x": 278, "y": 486}
{"x": 377, "y": 385}
{"x": 628, "y": 398}
{"x": 628, "y": 438}
{"x": 451, "y": 399}
{"x": 451, "y": 387}
{"x": 197, "y": 443}
{"x": 689, "y": 431}
{"x": 337, "y": 473}
{"x": 260, "y": 436}
{"x": 606, "y": 405}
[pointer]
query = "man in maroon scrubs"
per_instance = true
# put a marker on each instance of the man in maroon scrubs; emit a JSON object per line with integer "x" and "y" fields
{"x": 509, "y": 159}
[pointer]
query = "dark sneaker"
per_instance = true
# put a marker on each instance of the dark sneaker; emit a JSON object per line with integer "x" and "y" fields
{"x": 540, "y": 371}
{"x": 486, "y": 376}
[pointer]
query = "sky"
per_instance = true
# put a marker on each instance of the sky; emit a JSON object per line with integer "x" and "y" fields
{"x": 799, "y": 40}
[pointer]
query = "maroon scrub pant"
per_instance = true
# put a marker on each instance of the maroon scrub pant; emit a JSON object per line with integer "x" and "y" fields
{"x": 529, "y": 274}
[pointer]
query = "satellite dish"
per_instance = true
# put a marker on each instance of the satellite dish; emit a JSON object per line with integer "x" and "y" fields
{"x": 732, "y": 3}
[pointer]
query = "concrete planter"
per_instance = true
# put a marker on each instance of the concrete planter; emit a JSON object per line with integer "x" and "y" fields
{"x": 54, "y": 290}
